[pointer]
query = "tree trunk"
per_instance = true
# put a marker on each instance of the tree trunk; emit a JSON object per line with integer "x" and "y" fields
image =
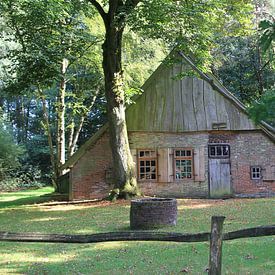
{"x": 75, "y": 131}
{"x": 123, "y": 168}
{"x": 20, "y": 119}
{"x": 61, "y": 118}
{"x": 49, "y": 135}
{"x": 259, "y": 72}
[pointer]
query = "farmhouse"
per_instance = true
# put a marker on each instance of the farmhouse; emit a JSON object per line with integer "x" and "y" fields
{"x": 189, "y": 137}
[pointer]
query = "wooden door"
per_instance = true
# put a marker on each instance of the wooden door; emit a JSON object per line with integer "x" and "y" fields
{"x": 219, "y": 171}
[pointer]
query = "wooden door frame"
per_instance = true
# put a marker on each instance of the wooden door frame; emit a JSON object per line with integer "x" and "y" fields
{"x": 219, "y": 158}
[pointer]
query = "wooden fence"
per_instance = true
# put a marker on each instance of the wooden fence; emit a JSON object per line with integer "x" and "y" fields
{"x": 216, "y": 238}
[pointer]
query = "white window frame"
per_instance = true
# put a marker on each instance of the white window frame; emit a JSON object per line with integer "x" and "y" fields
{"x": 256, "y": 172}
{"x": 184, "y": 158}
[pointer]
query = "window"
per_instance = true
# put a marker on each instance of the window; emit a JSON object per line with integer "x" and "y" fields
{"x": 219, "y": 151}
{"x": 256, "y": 172}
{"x": 183, "y": 163}
{"x": 147, "y": 162}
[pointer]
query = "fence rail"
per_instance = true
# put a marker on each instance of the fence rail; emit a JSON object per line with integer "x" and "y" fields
{"x": 134, "y": 236}
{"x": 216, "y": 237}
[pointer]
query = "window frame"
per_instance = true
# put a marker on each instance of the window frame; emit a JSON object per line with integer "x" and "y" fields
{"x": 221, "y": 156}
{"x": 183, "y": 158}
{"x": 252, "y": 172}
{"x": 147, "y": 158}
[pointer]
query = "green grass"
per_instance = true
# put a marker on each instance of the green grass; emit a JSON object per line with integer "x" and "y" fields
{"x": 19, "y": 212}
{"x": 25, "y": 197}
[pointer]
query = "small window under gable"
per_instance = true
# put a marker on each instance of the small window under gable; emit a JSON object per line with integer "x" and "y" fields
{"x": 256, "y": 172}
{"x": 183, "y": 163}
{"x": 219, "y": 150}
{"x": 147, "y": 165}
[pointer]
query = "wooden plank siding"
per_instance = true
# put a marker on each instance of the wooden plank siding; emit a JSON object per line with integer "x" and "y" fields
{"x": 170, "y": 104}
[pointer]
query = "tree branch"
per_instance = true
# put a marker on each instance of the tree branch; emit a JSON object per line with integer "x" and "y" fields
{"x": 99, "y": 9}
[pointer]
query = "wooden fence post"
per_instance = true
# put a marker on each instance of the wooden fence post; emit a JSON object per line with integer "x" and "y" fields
{"x": 215, "y": 257}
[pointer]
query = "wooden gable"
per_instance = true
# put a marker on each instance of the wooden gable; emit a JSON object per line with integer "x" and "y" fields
{"x": 170, "y": 104}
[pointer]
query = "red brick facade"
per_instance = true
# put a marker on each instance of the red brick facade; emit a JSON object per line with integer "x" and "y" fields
{"x": 90, "y": 176}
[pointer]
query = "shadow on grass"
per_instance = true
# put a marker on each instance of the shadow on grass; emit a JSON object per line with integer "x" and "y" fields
{"x": 29, "y": 200}
{"x": 242, "y": 257}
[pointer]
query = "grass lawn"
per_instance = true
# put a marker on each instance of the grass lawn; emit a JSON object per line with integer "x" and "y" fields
{"x": 25, "y": 212}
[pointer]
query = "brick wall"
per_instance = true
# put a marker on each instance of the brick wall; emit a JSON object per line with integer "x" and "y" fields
{"x": 250, "y": 149}
{"x": 185, "y": 188}
{"x": 88, "y": 176}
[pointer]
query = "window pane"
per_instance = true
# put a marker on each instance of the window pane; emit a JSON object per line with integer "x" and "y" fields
{"x": 219, "y": 150}
{"x": 256, "y": 172}
{"x": 212, "y": 150}
{"x": 177, "y": 153}
{"x": 225, "y": 150}
{"x": 188, "y": 153}
{"x": 147, "y": 167}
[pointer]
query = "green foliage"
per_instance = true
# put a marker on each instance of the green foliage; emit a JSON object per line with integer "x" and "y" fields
{"x": 48, "y": 32}
{"x": 10, "y": 152}
{"x": 264, "y": 108}
{"x": 195, "y": 25}
{"x": 241, "y": 67}
{"x": 140, "y": 57}
{"x": 18, "y": 183}
{"x": 267, "y": 29}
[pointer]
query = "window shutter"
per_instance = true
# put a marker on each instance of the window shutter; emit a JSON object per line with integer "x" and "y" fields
{"x": 134, "y": 156}
{"x": 163, "y": 165}
{"x": 170, "y": 164}
{"x": 199, "y": 165}
{"x": 269, "y": 173}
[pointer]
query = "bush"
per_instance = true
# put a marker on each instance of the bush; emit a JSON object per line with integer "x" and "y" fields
{"x": 10, "y": 152}
{"x": 13, "y": 184}
{"x": 264, "y": 109}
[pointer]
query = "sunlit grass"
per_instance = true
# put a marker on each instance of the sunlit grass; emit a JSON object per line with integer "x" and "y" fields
{"x": 25, "y": 197}
{"x": 244, "y": 256}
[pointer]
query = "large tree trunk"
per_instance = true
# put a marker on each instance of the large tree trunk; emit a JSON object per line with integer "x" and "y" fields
{"x": 125, "y": 184}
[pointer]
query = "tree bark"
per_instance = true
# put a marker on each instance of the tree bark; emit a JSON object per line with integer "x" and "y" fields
{"x": 216, "y": 237}
{"x": 20, "y": 119}
{"x": 123, "y": 167}
{"x": 61, "y": 118}
{"x": 125, "y": 183}
{"x": 50, "y": 141}
{"x": 75, "y": 131}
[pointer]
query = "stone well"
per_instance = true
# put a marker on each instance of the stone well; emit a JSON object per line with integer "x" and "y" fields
{"x": 152, "y": 213}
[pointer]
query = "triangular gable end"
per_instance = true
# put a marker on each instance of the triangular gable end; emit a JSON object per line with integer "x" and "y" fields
{"x": 169, "y": 104}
